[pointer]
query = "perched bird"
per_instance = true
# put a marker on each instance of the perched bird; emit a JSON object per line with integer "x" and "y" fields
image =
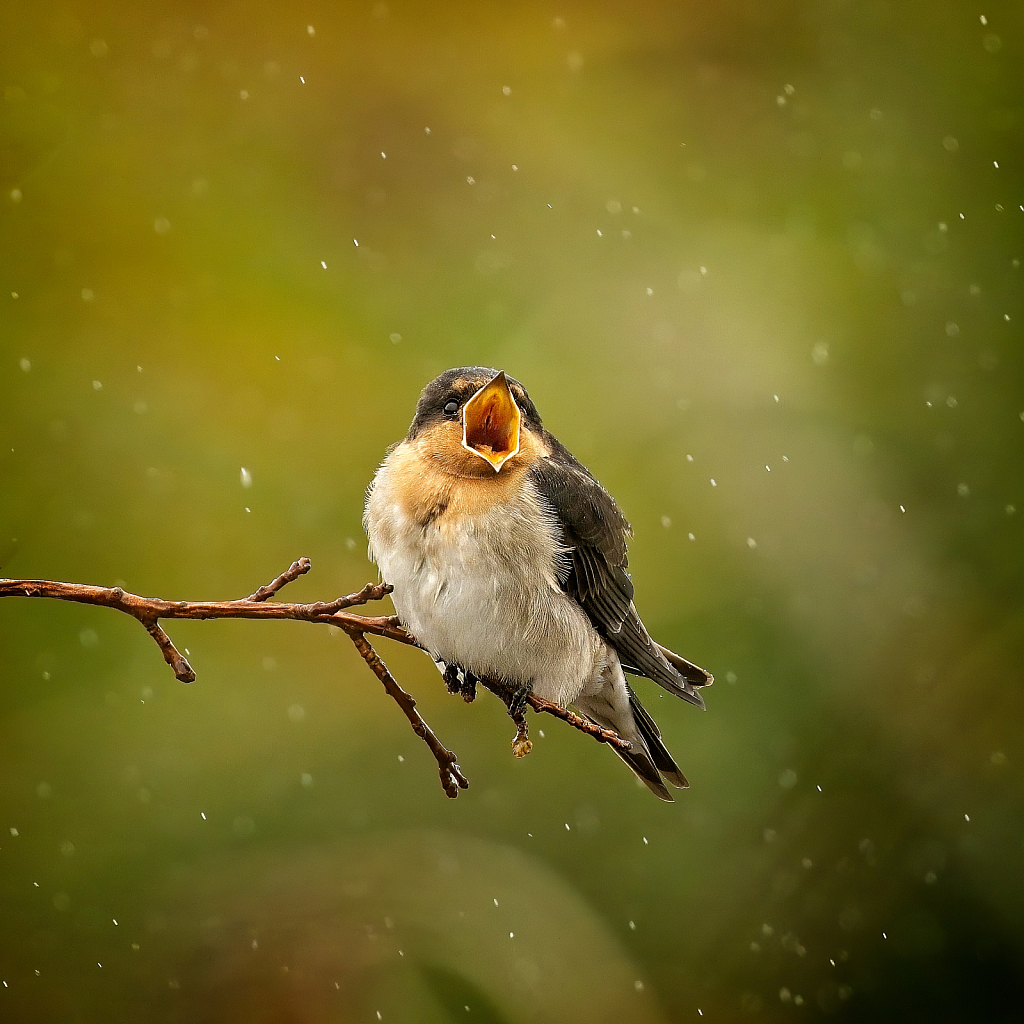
{"x": 508, "y": 562}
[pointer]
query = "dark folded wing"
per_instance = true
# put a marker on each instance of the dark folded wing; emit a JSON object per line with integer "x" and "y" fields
{"x": 595, "y": 531}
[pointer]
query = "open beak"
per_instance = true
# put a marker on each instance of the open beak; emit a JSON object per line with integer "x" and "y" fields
{"x": 490, "y": 423}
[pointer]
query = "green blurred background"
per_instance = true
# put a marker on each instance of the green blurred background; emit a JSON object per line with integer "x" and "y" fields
{"x": 758, "y": 264}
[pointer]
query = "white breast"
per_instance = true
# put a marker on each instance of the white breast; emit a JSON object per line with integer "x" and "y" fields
{"x": 481, "y": 590}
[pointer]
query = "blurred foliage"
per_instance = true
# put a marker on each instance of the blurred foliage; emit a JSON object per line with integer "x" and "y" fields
{"x": 759, "y": 266}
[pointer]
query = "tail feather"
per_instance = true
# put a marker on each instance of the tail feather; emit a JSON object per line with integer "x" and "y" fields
{"x": 645, "y": 770}
{"x": 616, "y": 707}
{"x": 651, "y": 735}
{"x": 693, "y": 674}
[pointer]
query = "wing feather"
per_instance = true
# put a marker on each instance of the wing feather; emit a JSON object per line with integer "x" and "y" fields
{"x": 595, "y": 532}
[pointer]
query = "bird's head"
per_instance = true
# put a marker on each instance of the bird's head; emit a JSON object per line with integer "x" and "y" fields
{"x": 475, "y": 421}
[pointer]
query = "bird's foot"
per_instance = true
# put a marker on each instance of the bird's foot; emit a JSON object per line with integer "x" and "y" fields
{"x": 517, "y": 702}
{"x": 460, "y": 682}
{"x": 515, "y": 698}
{"x": 522, "y": 744}
{"x": 469, "y": 688}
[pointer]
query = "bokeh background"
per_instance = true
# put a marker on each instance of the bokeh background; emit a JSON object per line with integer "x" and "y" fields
{"x": 758, "y": 264}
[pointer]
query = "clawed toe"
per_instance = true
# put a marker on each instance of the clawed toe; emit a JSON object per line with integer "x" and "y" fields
{"x": 460, "y": 682}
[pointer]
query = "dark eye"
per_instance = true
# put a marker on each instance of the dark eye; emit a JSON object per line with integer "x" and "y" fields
{"x": 451, "y": 408}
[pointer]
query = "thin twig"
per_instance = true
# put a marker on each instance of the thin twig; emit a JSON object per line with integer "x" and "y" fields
{"x": 179, "y": 666}
{"x": 150, "y": 610}
{"x": 452, "y": 779}
{"x": 293, "y": 572}
{"x": 578, "y": 722}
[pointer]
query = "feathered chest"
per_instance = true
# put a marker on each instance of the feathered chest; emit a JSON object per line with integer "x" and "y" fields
{"x": 473, "y": 561}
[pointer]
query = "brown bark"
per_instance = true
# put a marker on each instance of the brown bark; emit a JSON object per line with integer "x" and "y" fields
{"x": 150, "y": 610}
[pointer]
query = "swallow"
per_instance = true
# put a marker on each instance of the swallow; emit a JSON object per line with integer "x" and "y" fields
{"x": 508, "y": 563}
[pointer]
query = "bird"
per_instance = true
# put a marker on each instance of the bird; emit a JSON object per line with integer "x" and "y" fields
{"x": 508, "y": 563}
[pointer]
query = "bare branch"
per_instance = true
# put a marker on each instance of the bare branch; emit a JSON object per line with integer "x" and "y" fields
{"x": 293, "y": 572}
{"x": 150, "y": 610}
{"x": 181, "y": 668}
{"x": 452, "y": 778}
{"x": 577, "y": 722}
